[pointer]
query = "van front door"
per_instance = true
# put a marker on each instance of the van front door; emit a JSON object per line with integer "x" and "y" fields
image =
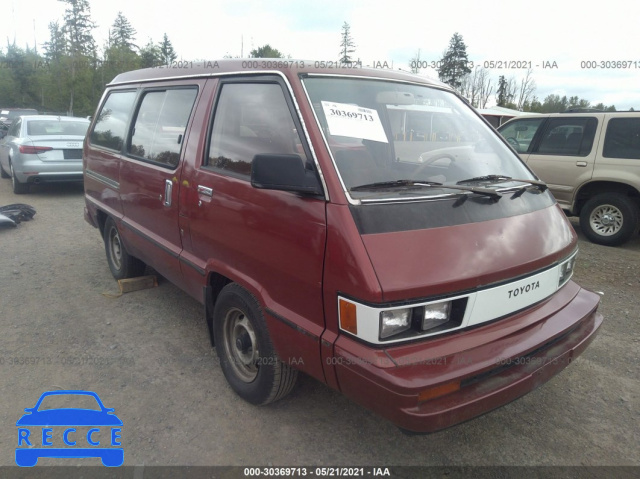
{"x": 271, "y": 242}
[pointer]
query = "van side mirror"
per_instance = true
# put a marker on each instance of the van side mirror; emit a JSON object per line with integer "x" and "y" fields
{"x": 284, "y": 173}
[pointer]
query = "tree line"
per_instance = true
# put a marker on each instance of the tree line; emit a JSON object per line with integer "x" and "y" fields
{"x": 69, "y": 76}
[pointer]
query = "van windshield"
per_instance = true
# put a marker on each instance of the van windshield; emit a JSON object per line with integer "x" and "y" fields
{"x": 408, "y": 139}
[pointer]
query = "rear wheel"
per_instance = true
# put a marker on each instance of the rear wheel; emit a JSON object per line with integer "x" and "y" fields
{"x": 609, "y": 219}
{"x": 121, "y": 263}
{"x": 246, "y": 353}
{"x": 18, "y": 188}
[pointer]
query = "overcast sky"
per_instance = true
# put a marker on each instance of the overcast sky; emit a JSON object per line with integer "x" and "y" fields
{"x": 567, "y": 33}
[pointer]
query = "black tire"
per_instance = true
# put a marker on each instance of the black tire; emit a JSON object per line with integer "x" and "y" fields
{"x": 18, "y": 188}
{"x": 247, "y": 357}
{"x": 609, "y": 219}
{"x": 4, "y": 174}
{"x": 121, "y": 263}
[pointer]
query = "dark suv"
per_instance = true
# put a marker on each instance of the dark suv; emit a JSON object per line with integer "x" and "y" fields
{"x": 8, "y": 114}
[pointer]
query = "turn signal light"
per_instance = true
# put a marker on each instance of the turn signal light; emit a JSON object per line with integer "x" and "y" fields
{"x": 348, "y": 317}
{"x": 438, "y": 391}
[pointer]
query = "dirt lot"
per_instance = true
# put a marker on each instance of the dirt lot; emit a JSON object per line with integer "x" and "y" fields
{"x": 147, "y": 355}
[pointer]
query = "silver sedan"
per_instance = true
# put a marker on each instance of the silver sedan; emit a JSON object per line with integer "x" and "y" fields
{"x": 42, "y": 148}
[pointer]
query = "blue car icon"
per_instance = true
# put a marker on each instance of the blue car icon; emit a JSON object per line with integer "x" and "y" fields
{"x": 99, "y": 418}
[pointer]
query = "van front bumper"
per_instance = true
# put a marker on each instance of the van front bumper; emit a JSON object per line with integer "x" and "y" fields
{"x": 494, "y": 364}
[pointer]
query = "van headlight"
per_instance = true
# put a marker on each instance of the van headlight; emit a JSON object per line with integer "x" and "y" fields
{"x": 436, "y": 314}
{"x": 394, "y": 322}
{"x": 418, "y": 320}
{"x": 380, "y": 324}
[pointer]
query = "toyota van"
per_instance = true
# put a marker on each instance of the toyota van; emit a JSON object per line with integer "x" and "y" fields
{"x": 366, "y": 227}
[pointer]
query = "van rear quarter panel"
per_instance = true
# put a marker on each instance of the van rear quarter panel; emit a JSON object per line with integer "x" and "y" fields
{"x": 104, "y": 193}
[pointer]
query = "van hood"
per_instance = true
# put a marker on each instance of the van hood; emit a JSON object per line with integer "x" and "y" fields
{"x": 422, "y": 263}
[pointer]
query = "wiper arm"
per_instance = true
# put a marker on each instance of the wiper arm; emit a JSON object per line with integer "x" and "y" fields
{"x": 392, "y": 184}
{"x": 502, "y": 178}
{"x": 401, "y": 183}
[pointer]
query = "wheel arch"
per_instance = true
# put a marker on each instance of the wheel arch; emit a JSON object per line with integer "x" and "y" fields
{"x": 215, "y": 283}
{"x": 591, "y": 189}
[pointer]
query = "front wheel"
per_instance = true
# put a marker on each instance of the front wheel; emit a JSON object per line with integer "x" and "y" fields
{"x": 247, "y": 357}
{"x": 121, "y": 263}
{"x": 609, "y": 219}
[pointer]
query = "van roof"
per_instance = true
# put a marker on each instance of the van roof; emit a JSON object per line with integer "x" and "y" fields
{"x": 288, "y": 67}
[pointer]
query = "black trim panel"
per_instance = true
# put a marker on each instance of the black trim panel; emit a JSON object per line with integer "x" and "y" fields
{"x": 394, "y": 217}
{"x": 291, "y": 324}
{"x": 102, "y": 179}
{"x": 200, "y": 270}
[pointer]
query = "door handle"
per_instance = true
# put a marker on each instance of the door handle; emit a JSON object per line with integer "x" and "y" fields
{"x": 581, "y": 163}
{"x": 168, "y": 188}
{"x": 205, "y": 190}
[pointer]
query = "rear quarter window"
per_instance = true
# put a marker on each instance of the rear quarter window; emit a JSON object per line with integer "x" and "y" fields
{"x": 110, "y": 127}
{"x": 622, "y": 139}
{"x": 570, "y": 136}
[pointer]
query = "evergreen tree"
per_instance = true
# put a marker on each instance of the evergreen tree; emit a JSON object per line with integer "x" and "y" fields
{"x": 501, "y": 94}
{"x": 347, "y": 45}
{"x": 81, "y": 47}
{"x": 455, "y": 63}
{"x": 122, "y": 34}
{"x": 56, "y": 47}
{"x": 150, "y": 55}
{"x": 78, "y": 27}
{"x": 167, "y": 53}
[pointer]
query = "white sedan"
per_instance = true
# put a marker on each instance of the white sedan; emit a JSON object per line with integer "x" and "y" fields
{"x": 42, "y": 148}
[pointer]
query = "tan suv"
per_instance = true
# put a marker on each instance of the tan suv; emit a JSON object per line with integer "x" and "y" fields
{"x": 591, "y": 162}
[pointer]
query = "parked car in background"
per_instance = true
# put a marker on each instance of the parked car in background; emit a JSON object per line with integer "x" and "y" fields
{"x": 41, "y": 149}
{"x": 591, "y": 162}
{"x": 7, "y": 115}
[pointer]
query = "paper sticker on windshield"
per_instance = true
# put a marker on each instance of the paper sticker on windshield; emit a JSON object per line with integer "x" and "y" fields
{"x": 353, "y": 121}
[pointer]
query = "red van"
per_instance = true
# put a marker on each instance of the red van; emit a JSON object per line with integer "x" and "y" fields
{"x": 363, "y": 226}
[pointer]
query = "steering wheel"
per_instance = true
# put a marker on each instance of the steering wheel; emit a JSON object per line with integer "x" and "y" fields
{"x": 513, "y": 142}
{"x": 430, "y": 161}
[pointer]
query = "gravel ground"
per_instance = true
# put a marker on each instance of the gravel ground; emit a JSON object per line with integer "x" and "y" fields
{"x": 147, "y": 355}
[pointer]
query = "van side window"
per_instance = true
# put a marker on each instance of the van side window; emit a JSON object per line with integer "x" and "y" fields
{"x": 159, "y": 127}
{"x": 109, "y": 129}
{"x": 622, "y": 139}
{"x": 568, "y": 136}
{"x": 251, "y": 119}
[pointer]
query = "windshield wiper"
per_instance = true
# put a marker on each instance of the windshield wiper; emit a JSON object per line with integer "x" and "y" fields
{"x": 401, "y": 183}
{"x": 502, "y": 179}
{"x": 393, "y": 184}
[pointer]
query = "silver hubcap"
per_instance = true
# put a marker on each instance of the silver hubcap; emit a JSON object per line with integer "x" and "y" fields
{"x": 606, "y": 220}
{"x": 115, "y": 248}
{"x": 241, "y": 345}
